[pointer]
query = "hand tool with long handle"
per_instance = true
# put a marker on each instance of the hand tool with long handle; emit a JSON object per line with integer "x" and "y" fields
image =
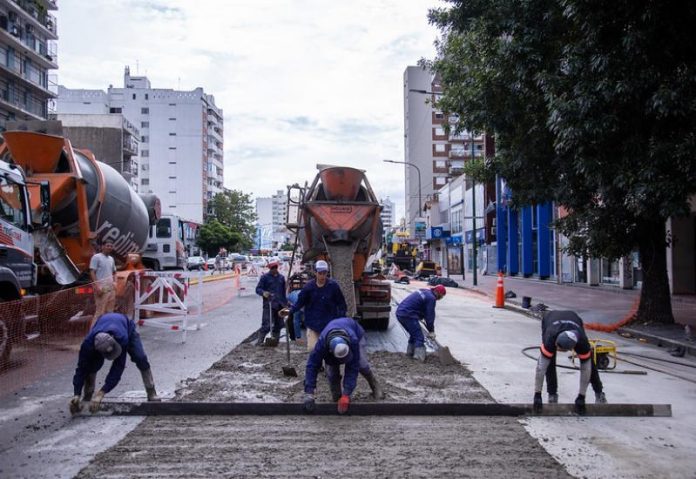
{"x": 288, "y": 370}
{"x": 443, "y": 352}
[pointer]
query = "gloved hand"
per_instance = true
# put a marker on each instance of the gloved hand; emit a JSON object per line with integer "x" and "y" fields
{"x": 96, "y": 401}
{"x": 343, "y": 404}
{"x": 75, "y": 405}
{"x": 284, "y": 313}
{"x": 538, "y": 405}
{"x": 431, "y": 335}
{"x": 266, "y": 294}
{"x": 580, "y": 404}
{"x": 309, "y": 405}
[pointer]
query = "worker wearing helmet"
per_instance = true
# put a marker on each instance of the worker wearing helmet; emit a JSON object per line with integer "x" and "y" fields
{"x": 563, "y": 331}
{"x": 419, "y": 305}
{"x": 271, "y": 287}
{"x": 111, "y": 338}
{"x": 322, "y": 300}
{"x": 341, "y": 342}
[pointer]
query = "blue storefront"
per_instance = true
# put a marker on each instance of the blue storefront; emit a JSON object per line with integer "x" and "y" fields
{"x": 525, "y": 240}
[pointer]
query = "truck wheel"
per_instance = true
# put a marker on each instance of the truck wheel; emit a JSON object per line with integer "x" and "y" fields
{"x": 381, "y": 324}
{"x": 5, "y": 345}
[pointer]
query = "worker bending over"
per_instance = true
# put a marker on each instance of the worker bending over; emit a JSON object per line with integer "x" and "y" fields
{"x": 111, "y": 338}
{"x": 564, "y": 331}
{"x": 419, "y": 305}
{"x": 341, "y": 342}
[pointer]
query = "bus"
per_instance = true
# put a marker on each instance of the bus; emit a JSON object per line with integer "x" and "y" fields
{"x": 165, "y": 244}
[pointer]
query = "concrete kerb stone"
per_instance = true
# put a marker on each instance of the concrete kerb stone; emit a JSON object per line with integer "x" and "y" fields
{"x": 628, "y": 332}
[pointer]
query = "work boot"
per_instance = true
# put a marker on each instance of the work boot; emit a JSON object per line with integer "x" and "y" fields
{"x": 553, "y": 398}
{"x": 260, "y": 339}
{"x": 272, "y": 342}
{"x": 377, "y": 392}
{"x": 600, "y": 398}
{"x": 88, "y": 390}
{"x": 336, "y": 390}
{"x": 409, "y": 350}
{"x": 150, "y": 385}
{"x": 419, "y": 353}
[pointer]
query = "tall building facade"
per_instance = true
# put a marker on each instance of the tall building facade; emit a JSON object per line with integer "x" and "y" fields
{"x": 388, "y": 213}
{"x": 433, "y": 155}
{"x": 271, "y": 232}
{"x": 181, "y": 140}
{"x": 28, "y": 46}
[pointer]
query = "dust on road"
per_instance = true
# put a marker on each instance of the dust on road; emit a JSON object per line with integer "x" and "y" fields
{"x": 325, "y": 446}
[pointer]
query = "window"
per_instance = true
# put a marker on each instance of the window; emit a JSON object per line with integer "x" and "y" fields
{"x": 144, "y": 124}
{"x": 172, "y": 119}
{"x": 172, "y": 134}
{"x": 145, "y": 167}
{"x": 12, "y": 203}
{"x": 144, "y": 138}
{"x": 145, "y": 111}
{"x": 172, "y": 104}
{"x": 164, "y": 228}
{"x": 145, "y": 153}
{"x": 440, "y": 148}
{"x": 147, "y": 97}
{"x": 133, "y": 96}
{"x": 440, "y": 164}
{"x": 145, "y": 181}
{"x": 439, "y": 131}
{"x": 115, "y": 110}
{"x": 440, "y": 180}
{"x": 172, "y": 147}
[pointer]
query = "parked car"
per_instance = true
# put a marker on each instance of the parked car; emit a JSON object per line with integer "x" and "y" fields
{"x": 195, "y": 262}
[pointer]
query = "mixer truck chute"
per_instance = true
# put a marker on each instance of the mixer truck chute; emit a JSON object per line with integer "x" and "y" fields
{"x": 338, "y": 219}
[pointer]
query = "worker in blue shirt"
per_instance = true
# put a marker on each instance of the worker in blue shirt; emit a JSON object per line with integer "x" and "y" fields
{"x": 322, "y": 301}
{"x": 341, "y": 342}
{"x": 419, "y": 305}
{"x": 111, "y": 337}
{"x": 271, "y": 287}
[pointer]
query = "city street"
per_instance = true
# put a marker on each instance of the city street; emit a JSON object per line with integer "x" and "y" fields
{"x": 36, "y": 428}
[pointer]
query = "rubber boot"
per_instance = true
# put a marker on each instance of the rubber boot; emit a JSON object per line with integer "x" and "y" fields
{"x": 88, "y": 390}
{"x": 419, "y": 353}
{"x": 377, "y": 392}
{"x": 150, "y": 385}
{"x": 553, "y": 398}
{"x": 410, "y": 349}
{"x": 336, "y": 390}
{"x": 260, "y": 340}
{"x": 600, "y": 398}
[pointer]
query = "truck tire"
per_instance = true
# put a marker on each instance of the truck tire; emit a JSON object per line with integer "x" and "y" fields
{"x": 5, "y": 345}
{"x": 381, "y": 324}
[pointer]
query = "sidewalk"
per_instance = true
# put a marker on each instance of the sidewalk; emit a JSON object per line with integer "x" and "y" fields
{"x": 594, "y": 304}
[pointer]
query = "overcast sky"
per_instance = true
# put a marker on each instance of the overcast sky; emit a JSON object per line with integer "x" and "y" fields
{"x": 301, "y": 82}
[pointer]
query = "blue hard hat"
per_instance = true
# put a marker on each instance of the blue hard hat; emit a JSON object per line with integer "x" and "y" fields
{"x": 339, "y": 347}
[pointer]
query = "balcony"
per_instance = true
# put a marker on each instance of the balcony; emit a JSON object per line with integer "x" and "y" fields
{"x": 14, "y": 100}
{"x": 43, "y": 53}
{"x": 35, "y": 15}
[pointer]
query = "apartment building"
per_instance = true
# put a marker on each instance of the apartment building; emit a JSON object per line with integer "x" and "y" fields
{"x": 388, "y": 214}
{"x": 181, "y": 140}
{"x": 28, "y": 45}
{"x": 271, "y": 219}
{"x": 432, "y": 155}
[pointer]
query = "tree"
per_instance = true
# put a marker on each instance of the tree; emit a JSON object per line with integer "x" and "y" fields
{"x": 593, "y": 106}
{"x": 235, "y": 210}
{"x": 214, "y": 235}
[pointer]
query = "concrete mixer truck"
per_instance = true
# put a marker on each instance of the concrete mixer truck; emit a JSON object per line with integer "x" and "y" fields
{"x": 337, "y": 219}
{"x": 56, "y": 204}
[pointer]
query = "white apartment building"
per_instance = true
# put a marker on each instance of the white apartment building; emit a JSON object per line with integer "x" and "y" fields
{"x": 271, "y": 220}
{"x": 388, "y": 213}
{"x": 181, "y": 139}
{"x": 28, "y": 44}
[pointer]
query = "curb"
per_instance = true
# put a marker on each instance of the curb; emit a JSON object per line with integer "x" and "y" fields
{"x": 628, "y": 332}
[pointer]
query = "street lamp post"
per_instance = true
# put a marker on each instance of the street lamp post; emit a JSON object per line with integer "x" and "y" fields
{"x": 420, "y": 200}
{"x": 473, "y": 213}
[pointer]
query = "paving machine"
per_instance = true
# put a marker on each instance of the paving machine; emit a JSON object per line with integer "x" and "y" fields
{"x": 337, "y": 219}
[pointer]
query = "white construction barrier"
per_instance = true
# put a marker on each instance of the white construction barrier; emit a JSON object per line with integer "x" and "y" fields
{"x": 168, "y": 295}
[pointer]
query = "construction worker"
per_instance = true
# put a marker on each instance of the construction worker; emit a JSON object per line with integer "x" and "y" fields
{"x": 341, "y": 342}
{"x": 419, "y": 305}
{"x": 322, "y": 301}
{"x": 271, "y": 287}
{"x": 111, "y": 338}
{"x": 564, "y": 331}
{"x": 102, "y": 271}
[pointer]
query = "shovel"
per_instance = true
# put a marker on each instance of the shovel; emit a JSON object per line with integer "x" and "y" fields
{"x": 288, "y": 370}
{"x": 443, "y": 352}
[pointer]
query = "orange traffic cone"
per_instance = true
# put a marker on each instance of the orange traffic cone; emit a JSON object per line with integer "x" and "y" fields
{"x": 500, "y": 292}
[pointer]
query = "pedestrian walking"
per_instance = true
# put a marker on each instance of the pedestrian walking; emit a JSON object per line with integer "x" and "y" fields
{"x": 564, "y": 331}
{"x": 111, "y": 338}
{"x": 322, "y": 301}
{"x": 271, "y": 287}
{"x": 417, "y": 306}
{"x": 341, "y": 342}
{"x": 102, "y": 271}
